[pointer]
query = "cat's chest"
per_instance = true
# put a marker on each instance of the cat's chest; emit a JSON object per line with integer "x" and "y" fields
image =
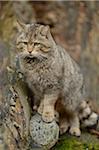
{"x": 41, "y": 78}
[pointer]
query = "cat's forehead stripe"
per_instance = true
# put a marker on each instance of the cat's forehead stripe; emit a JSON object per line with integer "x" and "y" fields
{"x": 32, "y": 31}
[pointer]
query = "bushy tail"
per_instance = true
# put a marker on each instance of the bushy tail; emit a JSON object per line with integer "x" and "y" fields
{"x": 89, "y": 115}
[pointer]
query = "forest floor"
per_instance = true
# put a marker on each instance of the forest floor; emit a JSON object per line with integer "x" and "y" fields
{"x": 87, "y": 141}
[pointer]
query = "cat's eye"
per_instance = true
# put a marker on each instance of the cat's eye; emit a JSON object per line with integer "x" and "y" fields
{"x": 37, "y": 44}
{"x": 41, "y": 47}
{"x": 25, "y": 43}
{"x": 22, "y": 42}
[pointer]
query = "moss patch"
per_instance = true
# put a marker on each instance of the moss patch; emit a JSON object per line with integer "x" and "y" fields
{"x": 68, "y": 142}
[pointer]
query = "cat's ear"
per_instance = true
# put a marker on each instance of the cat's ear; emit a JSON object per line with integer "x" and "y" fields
{"x": 45, "y": 30}
{"x": 20, "y": 25}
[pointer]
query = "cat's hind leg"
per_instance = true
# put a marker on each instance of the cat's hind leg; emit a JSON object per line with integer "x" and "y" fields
{"x": 75, "y": 126}
{"x": 63, "y": 126}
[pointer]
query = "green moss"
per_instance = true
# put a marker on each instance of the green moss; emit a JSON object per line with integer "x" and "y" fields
{"x": 68, "y": 143}
{"x": 73, "y": 143}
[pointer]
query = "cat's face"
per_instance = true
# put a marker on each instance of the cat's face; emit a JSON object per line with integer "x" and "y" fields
{"x": 34, "y": 40}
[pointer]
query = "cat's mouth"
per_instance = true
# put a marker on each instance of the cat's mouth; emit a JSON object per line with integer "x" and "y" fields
{"x": 30, "y": 58}
{"x": 33, "y": 58}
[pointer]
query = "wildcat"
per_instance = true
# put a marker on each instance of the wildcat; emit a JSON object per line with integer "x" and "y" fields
{"x": 52, "y": 75}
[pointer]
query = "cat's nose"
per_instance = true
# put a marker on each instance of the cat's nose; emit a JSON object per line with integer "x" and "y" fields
{"x": 30, "y": 52}
{"x": 30, "y": 49}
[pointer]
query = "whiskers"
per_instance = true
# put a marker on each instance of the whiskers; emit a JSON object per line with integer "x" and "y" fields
{"x": 41, "y": 57}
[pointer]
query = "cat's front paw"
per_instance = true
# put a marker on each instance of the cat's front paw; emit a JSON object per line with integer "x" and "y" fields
{"x": 48, "y": 116}
{"x": 75, "y": 131}
{"x": 40, "y": 108}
